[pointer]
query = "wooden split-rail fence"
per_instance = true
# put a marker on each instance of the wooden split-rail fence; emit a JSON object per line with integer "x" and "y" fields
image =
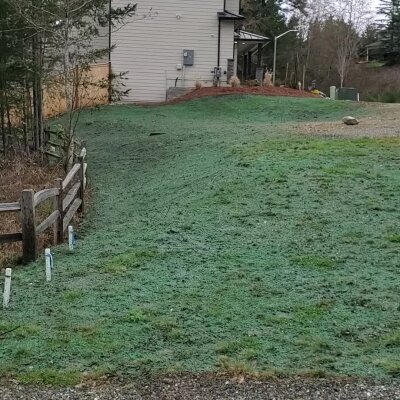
{"x": 68, "y": 198}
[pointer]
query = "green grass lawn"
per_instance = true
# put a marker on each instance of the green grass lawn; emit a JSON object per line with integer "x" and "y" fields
{"x": 216, "y": 241}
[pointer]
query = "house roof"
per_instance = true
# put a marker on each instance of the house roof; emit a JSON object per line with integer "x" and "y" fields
{"x": 249, "y": 42}
{"x": 376, "y": 45}
{"x": 245, "y": 36}
{"x": 227, "y": 15}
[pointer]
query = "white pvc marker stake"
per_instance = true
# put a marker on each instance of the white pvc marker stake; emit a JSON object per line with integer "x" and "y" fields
{"x": 7, "y": 288}
{"x": 49, "y": 264}
{"x": 84, "y": 175}
{"x": 71, "y": 238}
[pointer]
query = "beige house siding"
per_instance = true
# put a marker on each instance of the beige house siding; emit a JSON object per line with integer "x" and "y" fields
{"x": 101, "y": 42}
{"x": 87, "y": 95}
{"x": 151, "y": 47}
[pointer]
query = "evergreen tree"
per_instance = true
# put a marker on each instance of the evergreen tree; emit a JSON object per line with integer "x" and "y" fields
{"x": 15, "y": 78}
{"x": 264, "y": 16}
{"x": 49, "y": 41}
{"x": 271, "y": 18}
{"x": 390, "y": 9}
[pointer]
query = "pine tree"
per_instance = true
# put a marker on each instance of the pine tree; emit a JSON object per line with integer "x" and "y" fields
{"x": 264, "y": 16}
{"x": 15, "y": 77}
{"x": 390, "y": 9}
{"x": 60, "y": 34}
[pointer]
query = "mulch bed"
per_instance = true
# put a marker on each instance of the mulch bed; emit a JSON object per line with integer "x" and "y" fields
{"x": 255, "y": 90}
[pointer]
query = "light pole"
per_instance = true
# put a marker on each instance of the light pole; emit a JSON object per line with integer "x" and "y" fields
{"x": 275, "y": 46}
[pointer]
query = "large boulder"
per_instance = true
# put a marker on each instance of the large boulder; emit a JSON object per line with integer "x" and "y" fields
{"x": 350, "y": 121}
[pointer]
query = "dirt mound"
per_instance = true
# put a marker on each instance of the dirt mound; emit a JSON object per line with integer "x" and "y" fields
{"x": 256, "y": 90}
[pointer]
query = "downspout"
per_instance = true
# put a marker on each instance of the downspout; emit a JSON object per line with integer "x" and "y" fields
{"x": 109, "y": 53}
{"x": 219, "y": 43}
{"x": 219, "y": 38}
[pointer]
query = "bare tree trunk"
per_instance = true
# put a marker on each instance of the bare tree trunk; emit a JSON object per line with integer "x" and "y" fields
{"x": 69, "y": 93}
{"x": 2, "y": 110}
{"x": 37, "y": 92}
{"x": 9, "y": 122}
{"x": 25, "y": 120}
{"x": 29, "y": 119}
{"x": 2, "y": 122}
{"x": 40, "y": 91}
{"x": 35, "y": 114}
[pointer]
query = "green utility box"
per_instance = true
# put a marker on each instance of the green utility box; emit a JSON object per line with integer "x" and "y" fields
{"x": 347, "y": 94}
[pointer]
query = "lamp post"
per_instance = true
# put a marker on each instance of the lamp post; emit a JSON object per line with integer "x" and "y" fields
{"x": 275, "y": 46}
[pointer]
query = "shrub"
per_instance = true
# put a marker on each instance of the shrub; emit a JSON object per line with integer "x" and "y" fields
{"x": 198, "y": 85}
{"x": 381, "y": 84}
{"x": 267, "y": 79}
{"x": 386, "y": 97}
{"x": 234, "y": 82}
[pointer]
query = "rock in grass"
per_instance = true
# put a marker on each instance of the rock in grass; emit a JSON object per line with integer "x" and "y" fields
{"x": 350, "y": 121}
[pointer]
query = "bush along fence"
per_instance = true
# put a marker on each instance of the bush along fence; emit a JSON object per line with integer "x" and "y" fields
{"x": 68, "y": 197}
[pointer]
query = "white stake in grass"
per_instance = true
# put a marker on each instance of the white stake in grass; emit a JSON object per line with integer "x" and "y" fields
{"x": 49, "y": 264}
{"x": 7, "y": 288}
{"x": 71, "y": 238}
{"x": 84, "y": 175}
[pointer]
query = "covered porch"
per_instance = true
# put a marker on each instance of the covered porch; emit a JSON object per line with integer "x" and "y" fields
{"x": 248, "y": 51}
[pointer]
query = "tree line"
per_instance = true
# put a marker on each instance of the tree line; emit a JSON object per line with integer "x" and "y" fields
{"x": 332, "y": 35}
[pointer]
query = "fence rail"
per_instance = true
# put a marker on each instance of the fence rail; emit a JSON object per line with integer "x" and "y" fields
{"x": 10, "y": 237}
{"x": 68, "y": 197}
{"x": 10, "y": 207}
{"x": 44, "y": 195}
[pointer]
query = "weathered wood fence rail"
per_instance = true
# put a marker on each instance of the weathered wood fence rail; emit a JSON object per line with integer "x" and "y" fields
{"x": 68, "y": 197}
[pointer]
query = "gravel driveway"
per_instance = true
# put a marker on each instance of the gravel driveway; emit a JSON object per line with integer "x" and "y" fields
{"x": 212, "y": 388}
{"x": 384, "y": 121}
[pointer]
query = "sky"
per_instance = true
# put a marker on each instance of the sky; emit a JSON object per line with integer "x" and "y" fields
{"x": 375, "y": 3}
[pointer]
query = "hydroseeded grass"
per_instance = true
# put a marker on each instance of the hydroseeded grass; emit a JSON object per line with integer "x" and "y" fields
{"x": 218, "y": 241}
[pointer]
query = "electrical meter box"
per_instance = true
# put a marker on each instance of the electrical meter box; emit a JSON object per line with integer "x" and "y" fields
{"x": 188, "y": 57}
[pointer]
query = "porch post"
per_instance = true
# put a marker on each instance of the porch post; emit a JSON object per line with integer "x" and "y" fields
{"x": 259, "y": 58}
{"x": 244, "y": 70}
{"x": 235, "y": 59}
{"x": 249, "y": 64}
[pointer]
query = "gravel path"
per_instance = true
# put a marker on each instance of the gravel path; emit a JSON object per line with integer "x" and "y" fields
{"x": 384, "y": 121}
{"x": 213, "y": 388}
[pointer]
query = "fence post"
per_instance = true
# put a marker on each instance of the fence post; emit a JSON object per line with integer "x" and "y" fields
{"x": 55, "y": 225}
{"x": 82, "y": 179}
{"x": 58, "y": 226}
{"x": 28, "y": 226}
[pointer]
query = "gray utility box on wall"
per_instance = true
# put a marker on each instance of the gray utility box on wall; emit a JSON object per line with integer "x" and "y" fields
{"x": 188, "y": 57}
